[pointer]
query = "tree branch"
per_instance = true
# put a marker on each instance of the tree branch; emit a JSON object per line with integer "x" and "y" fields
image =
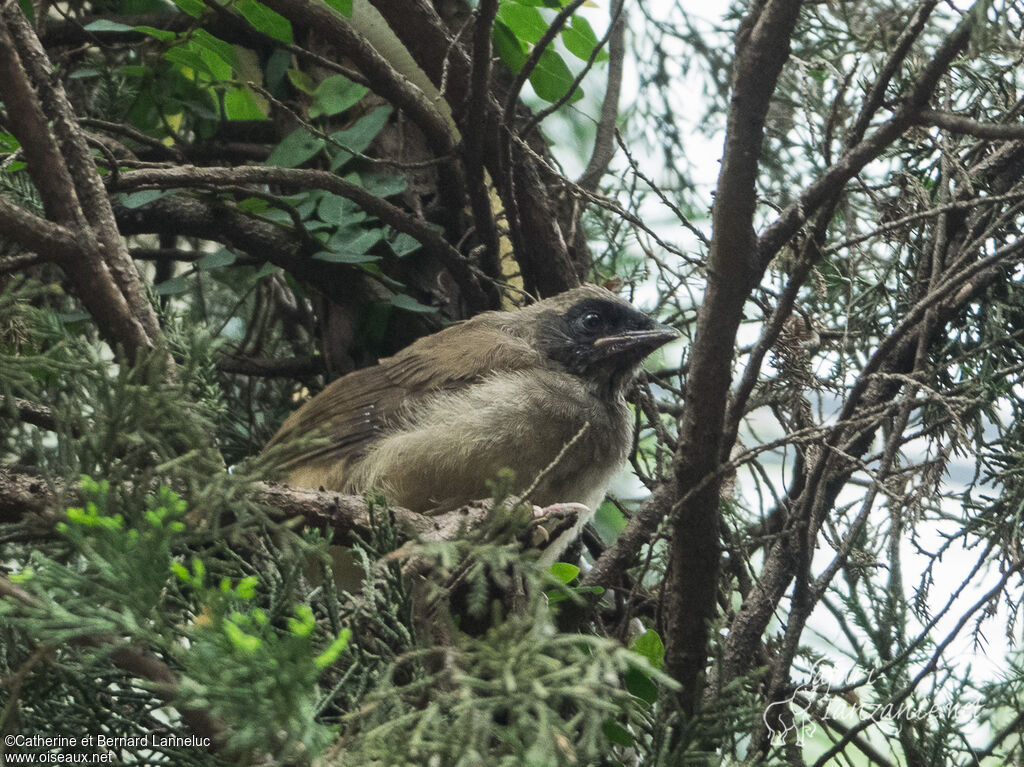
{"x": 604, "y": 138}
{"x": 955, "y": 123}
{"x": 475, "y": 132}
{"x": 538, "y": 242}
{"x": 732, "y": 272}
{"x": 72, "y": 145}
{"x": 30, "y": 412}
{"x": 851, "y": 163}
{"x": 23, "y": 492}
{"x": 212, "y": 177}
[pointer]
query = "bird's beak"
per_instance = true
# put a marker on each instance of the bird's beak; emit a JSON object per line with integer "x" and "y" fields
{"x": 636, "y": 343}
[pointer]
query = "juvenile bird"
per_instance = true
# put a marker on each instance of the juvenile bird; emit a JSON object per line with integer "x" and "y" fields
{"x": 431, "y": 425}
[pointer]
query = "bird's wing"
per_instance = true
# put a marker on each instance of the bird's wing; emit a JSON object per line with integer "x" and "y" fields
{"x": 358, "y": 408}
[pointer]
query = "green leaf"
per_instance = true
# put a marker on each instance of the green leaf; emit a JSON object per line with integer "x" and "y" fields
{"x": 219, "y": 258}
{"x": 358, "y": 137}
{"x": 164, "y": 35}
{"x": 580, "y": 40}
{"x": 551, "y": 78}
{"x": 350, "y": 246}
{"x": 565, "y": 572}
{"x": 383, "y": 184}
{"x": 241, "y": 104}
{"x": 344, "y": 7}
{"x": 277, "y": 216}
{"x": 301, "y": 81}
{"x": 641, "y": 686}
{"x": 29, "y": 9}
{"x": 334, "y": 95}
{"x": 274, "y": 71}
{"x": 410, "y": 304}
{"x": 138, "y": 199}
{"x": 173, "y": 286}
{"x": 617, "y": 734}
{"x": 296, "y": 148}
{"x": 557, "y": 595}
{"x": 265, "y": 271}
{"x": 508, "y": 47}
{"x": 345, "y": 258}
{"x": 524, "y": 22}
{"x": 194, "y": 8}
{"x": 609, "y": 522}
{"x": 186, "y": 56}
{"x": 306, "y": 202}
{"x": 403, "y": 244}
{"x": 219, "y": 55}
{"x": 355, "y": 240}
{"x": 204, "y": 53}
{"x": 253, "y": 205}
{"x": 339, "y": 211}
{"x": 105, "y": 25}
{"x": 267, "y": 21}
{"x": 650, "y": 646}
{"x": 329, "y": 655}
{"x": 247, "y": 587}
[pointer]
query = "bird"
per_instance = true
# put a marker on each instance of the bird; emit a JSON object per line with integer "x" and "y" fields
{"x": 539, "y": 390}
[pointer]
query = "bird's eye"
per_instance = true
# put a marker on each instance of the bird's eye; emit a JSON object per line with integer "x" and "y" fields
{"x": 592, "y": 322}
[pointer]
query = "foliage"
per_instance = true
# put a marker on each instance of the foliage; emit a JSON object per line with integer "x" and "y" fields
{"x": 208, "y": 210}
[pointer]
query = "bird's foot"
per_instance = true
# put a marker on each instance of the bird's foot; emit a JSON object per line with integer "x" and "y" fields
{"x": 551, "y": 522}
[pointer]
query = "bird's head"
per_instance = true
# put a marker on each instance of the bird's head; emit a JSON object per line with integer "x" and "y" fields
{"x": 595, "y": 335}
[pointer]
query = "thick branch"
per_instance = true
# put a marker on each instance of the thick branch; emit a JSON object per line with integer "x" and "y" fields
{"x": 58, "y": 242}
{"x": 732, "y": 273}
{"x": 955, "y": 123}
{"x": 222, "y": 222}
{"x": 92, "y": 280}
{"x": 474, "y": 137}
{"x": 539, "y": 245}
{"x": 95, "y": 205}
{"x": 423, "y": 33}
{"x": 30, "y": 412}
{"x": 23, "y": 492}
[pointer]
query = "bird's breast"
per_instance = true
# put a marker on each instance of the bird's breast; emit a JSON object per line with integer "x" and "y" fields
{"x": 555, "y": 433}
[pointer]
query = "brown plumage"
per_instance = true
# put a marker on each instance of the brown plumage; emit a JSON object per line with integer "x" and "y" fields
{"x": 429, "y": 426}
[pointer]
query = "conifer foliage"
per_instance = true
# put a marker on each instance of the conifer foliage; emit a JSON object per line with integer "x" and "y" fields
{"x": 209, "y": 210}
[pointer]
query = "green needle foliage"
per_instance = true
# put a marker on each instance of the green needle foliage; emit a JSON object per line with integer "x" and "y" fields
{"x": 163, "y": 553}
